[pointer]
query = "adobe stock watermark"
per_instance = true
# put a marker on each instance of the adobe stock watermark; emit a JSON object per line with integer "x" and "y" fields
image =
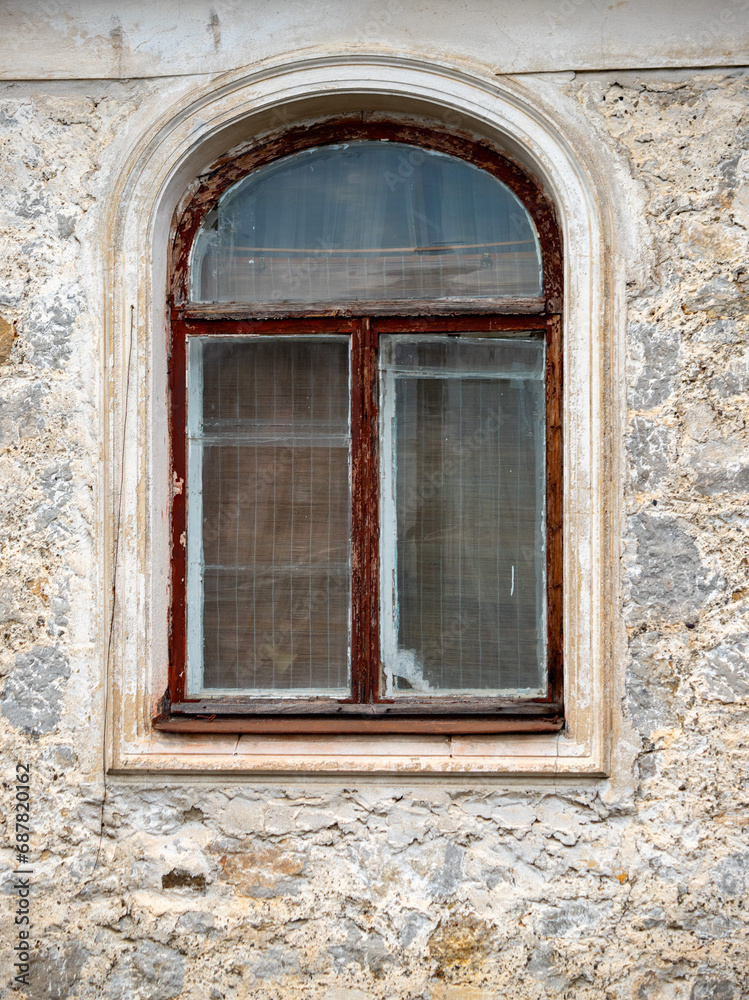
{"x": 454, "y": 457}
{"x": 564, "y": 10}
{"x": 21, "y": 887}
{"x": 406, "y": 166}
{"x": 724, "y": 20}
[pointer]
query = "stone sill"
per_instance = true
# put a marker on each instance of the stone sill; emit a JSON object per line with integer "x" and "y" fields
{"x": 542, "y": 754}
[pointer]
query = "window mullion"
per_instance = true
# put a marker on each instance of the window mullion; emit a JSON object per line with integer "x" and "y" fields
{"x": 554, "y": 486}
{"x": 372, "y": 522}
{"x": 365, "y": 520}
{"x": 177, "y": 622}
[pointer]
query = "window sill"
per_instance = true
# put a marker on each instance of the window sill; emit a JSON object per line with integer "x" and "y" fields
{"x": 134, "y": 407}
{"x": 539, "y": 755}
{"x": 443, "y": 726}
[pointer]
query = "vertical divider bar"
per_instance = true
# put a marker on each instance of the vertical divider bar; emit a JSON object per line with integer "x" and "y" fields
{"x": 365, "y": 658}
{"x": 359, "y": 631}
{"x": 554, "y": 512}
{"x": 177, "y": 622}
{"x": 372, "y": 513}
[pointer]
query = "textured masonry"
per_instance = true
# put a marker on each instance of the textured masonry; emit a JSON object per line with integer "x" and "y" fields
{"x": 632, "y": 887}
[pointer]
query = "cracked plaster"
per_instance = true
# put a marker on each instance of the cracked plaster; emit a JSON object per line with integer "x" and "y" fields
{"x": 356, "y": 891}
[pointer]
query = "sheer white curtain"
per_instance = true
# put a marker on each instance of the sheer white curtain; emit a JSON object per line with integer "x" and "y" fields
{"x": 269, "y": 467}
{"x": 464, "y": 482}
{"x": 366, "y": 221}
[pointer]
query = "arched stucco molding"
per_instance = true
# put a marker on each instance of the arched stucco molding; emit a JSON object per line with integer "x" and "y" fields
{"x": 554, "y": 144}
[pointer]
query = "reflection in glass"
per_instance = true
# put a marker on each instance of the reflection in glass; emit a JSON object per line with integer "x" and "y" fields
{"x": 269, "y": 515}
{"x": 366, "y": 221}
{"x": 463, "y": 582}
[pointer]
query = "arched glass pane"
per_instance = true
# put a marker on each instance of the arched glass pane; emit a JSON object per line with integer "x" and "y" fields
{"x": 365, "y": 221}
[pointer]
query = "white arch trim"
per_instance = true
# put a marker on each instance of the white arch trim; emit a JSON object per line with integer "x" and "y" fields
{"x": 537, "y": 127}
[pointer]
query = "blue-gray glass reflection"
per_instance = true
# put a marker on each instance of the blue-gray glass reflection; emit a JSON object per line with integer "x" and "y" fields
{"x": 269, "y": 516}
{"x": 463, "y": 581}
{"x": 366, "y": 221}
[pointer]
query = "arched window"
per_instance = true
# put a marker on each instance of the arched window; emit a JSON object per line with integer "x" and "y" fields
{"x": 366, "y": 384}
{"x": 366, "y": 221}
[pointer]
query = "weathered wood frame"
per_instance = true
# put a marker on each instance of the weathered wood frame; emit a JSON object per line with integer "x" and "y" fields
{"x": 365, "y": 711}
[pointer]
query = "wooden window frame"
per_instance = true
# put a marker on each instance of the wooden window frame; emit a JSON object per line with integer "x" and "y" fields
{"x": 365, "y": 711}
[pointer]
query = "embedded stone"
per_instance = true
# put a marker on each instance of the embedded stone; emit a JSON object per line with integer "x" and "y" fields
{"x": 367, "y": 950}
{"x": 49, "y": 326}
{"x": 668, "y": 579}
{"x": 32, "y": 695}
{"x": 241, "y": 817}
{"x": 413, "y": 925}
{"x": 653, "y": 365}
{"x": 713, "y": 989}
{"x": 650, "y": 446}
{"x": 650, "y": 702}
{"x": 721, "y": 466}
{"x": 719, "y": 295}
{"x": 722, "y": 331}
{"x": 151, "y": 972}
{"x": 56, "y": 971}
{"x": 7, "y": 336}
{"x": 57, "y": 485}
{"x": 449, "y": 875}
{"x": 731, "y": 875}
{"x": 196, "y": 922}
{"x": 571, "y": 919}
{"x": 276, "y": 962}
{"x": 732, "y": 380}
{"x": 723, "y": 674}
{"x": 20, "y": 412}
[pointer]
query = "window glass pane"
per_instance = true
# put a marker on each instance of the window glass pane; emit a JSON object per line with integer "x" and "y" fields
{"x": 364, "y": 221}
{"x": 463, "y": 580}
{"x": 269, "y": 514}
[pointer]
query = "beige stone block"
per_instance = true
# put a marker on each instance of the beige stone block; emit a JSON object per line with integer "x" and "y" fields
{"x": 345, "y": 993}
{"x": 197, "y": 745}
{"x": 349, "y": 746}
{"x": 7, "y": 336}
{"x": 458, "y": 993}
{"x": 242, "y": 817}
{"x": 519, "y": 746}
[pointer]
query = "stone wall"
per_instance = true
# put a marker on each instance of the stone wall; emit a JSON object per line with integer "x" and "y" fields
{"x": 632, "y": 887}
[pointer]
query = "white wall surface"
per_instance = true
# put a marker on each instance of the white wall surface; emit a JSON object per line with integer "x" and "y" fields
{"x": 111, "y": 39}
{"x": 265, "y": 884}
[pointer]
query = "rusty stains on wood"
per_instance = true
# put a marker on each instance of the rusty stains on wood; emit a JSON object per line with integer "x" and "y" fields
{"x": 250, "y": 311}
{"x": 232, "y": 167}
{"x": 435, "y": 725}
{"x": 554, "y": 504}
{"x": 365, "y": 710}
{"x": 404, "y": 705}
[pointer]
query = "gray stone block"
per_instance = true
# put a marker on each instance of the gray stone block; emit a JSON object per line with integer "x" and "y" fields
{"x": 653, "y": 365}
{"x": 151, "y": 972}
{"x": 713, "y": 989}
{"x": 668, "y": 579}
{"x": 720, "y": 466}
{"x": 56, "y": 971}
{"x": 723, "y": 674}
{"x": 49, "y": 326}
{"x": 32, "y": 695}
{"x": 649, "y": 701}
{"x": 719, "y": 296}
{"x": 650, "y": 446}
{"x": 20, "y": 412}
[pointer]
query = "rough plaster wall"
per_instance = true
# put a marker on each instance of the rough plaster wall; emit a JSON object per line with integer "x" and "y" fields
{"x": 346, "y": 890}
